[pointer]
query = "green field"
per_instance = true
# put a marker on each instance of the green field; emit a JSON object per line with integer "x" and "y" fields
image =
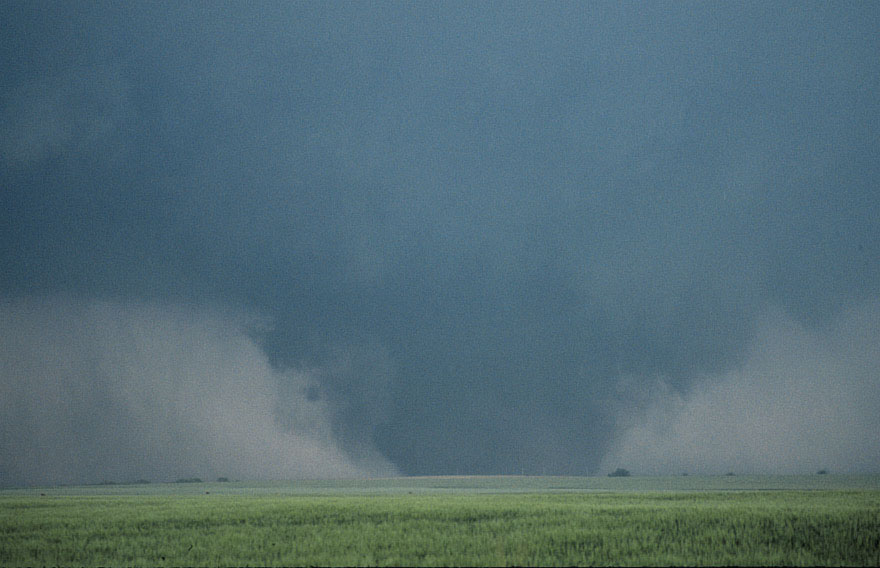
{"x": 806, "y": 520}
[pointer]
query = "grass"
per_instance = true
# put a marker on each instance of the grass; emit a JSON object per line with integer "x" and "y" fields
{"x": 448, "y": 521}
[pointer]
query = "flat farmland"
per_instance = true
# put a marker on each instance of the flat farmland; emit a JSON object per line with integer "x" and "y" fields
{"x": 430, "y": 521}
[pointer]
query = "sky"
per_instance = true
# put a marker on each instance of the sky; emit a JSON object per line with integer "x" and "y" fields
{"x": 293, "y": 240}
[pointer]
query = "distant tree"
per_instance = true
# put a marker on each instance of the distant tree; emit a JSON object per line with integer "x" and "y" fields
{"x": 619, "y": 472}
{"x": 222, "y": 479}
{"x": 822, "y": 472}
{"x": 189, "y": 480}
{"x": 730, "y": 474}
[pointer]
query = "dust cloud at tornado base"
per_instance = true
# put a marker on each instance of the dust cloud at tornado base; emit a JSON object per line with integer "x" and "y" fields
{"x": 107, "y": 390}
{"x": 119, "y": 391}
{"x": 803, "y": 400}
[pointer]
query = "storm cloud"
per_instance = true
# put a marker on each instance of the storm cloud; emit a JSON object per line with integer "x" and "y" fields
{"x": 480, "y": 232}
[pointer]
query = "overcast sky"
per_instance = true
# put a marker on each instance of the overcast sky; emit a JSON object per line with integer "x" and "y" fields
{"x": 286, "y": 240}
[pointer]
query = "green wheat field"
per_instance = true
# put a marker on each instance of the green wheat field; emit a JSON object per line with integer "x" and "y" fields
{"x": 448, "y": 521}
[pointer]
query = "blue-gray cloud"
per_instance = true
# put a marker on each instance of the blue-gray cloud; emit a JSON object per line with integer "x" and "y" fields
{"x": 496, "y": 211}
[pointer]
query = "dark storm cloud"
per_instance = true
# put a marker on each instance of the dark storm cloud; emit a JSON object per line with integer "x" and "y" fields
{"x": 474, "y": 222}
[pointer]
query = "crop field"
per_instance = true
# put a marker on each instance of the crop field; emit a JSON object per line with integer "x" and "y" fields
{"x": 808, "y": 520}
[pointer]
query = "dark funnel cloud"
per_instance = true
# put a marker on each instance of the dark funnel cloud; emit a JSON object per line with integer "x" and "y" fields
{"x": 519, "y": 238}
